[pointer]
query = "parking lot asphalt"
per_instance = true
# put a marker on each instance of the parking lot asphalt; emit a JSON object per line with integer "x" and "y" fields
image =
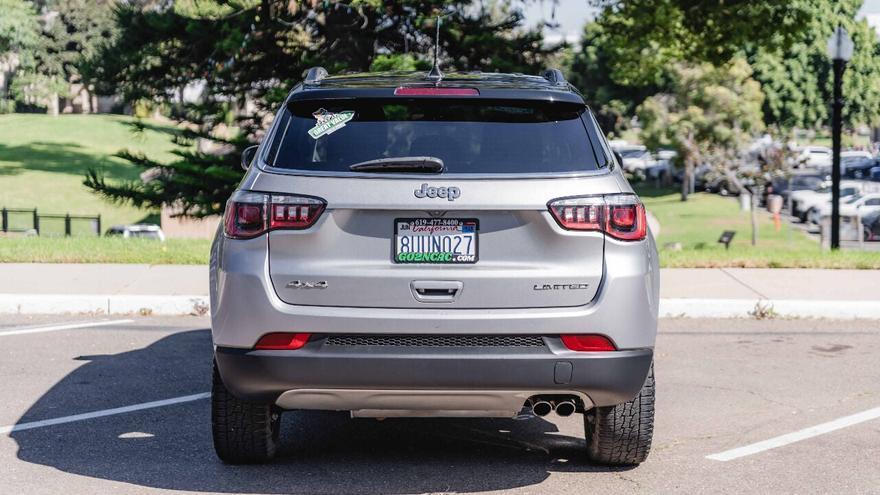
{"x": 79, "y": 415}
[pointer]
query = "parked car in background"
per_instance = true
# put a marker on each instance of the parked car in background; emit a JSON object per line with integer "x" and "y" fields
{"x": 871, "y": 226}
{"x": 662, "y": 166}
{"x": 636, "y": 158}
{"x": 803, "y": 201}
{"x": 139, "y": 231}
{"x": 784, "y": 186}
{"x": 856, "y": 164}
{"x": 857, "y": 204}
{"x": 815, "y": 156}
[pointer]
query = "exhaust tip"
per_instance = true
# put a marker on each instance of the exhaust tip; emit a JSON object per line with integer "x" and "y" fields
{"x": 565, "y": 408}
{"x": 541, "y": 408}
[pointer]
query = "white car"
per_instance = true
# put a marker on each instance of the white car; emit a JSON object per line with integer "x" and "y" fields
{"x": 851, "y": 154}
{"x": 636, "y": 158}
{"x": 139, "y": 231}
{"x": 636, "y": 161}
{"x": 661, "y": 165}
{"x": 815, "y": 156}
{"x": 857, "y": 204}
{"x": 803, "y": 201}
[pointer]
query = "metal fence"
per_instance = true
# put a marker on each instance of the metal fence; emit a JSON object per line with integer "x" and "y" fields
{"x": 30, "y": 220}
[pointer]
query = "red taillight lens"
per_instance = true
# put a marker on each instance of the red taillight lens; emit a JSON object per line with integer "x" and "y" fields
{"x": 251, "y": 214}
{"x": 245, "y": 215}
{"x": 588, "y": 343}
{"x": 579, "y": 214}
{"x": 434, "y": 91}
{"x": 282, "y": 341}
{"x": 626, "y": 218}
{"x": 294, "y": 212}
{"x": 621, "y": 216}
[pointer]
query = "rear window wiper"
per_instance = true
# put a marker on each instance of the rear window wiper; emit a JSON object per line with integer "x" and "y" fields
{"x": 410, "y": 164}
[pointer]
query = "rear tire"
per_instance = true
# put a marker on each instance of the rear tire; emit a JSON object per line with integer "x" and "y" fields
{"x": 621, "y": 435}
{"x": 244, "y": 432}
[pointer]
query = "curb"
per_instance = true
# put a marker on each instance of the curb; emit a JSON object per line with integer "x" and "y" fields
{"x": 101, "y": 304}
{"x": 669, "y": 308}
{"x": 766, "y": 308}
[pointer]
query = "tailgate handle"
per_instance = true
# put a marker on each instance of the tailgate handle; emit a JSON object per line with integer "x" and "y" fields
{"x": 436, "y": 291}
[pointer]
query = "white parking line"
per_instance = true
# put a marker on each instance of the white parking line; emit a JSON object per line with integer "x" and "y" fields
{"x": 100, "y": 414}
{"x": 66, "y": 326}
{"x": 797, "y": 436}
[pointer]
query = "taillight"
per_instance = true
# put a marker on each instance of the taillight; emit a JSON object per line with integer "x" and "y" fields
{"x": 588, "y": 343}
{"x": 250, "y": 214}
{"x": 621, "y": 216}
{"x": 282, "y": 341}
{"x": 579, "y": 213}
{"x": 294, "y": 212}
{"x": 626, "y": 218}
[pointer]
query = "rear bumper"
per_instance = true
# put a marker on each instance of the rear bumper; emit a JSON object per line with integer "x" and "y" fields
{"x": 411, "y": 378}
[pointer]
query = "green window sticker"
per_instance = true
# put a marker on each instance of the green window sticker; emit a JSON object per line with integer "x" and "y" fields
{"x": 329, "y": 122}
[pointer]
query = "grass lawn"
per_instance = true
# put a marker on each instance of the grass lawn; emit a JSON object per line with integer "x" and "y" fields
{"x": 698, "y": 223}
{"x": 43, "y": 160}
{"x": 103, "y": 250}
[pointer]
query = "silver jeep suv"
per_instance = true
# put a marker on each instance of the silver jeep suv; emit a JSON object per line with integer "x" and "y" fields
{"x": 464, "y": 247}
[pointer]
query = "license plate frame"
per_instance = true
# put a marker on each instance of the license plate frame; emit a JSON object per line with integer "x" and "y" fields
{"x": 455, "y": 227}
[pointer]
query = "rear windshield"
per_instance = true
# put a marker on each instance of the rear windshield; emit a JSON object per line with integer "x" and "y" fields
{"x": 471, "y": 137}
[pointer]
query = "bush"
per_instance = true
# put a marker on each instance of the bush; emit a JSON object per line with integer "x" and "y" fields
{"x": 6, "y": 106}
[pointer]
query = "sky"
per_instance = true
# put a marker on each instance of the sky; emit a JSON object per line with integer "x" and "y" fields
{"x": 573, "y": 14}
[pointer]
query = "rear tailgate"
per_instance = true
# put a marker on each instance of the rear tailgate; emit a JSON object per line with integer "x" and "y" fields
{"x": 348, "y": 257}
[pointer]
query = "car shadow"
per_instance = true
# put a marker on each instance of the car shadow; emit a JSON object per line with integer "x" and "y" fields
{"x": 321, "y": 452}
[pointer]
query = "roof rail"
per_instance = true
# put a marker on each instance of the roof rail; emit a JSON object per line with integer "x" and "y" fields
{"x": 555, "y": 76}
{"x": 315, "y": 74}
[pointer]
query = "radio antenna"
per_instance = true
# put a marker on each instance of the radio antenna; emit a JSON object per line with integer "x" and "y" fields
{"x": 435, "y": 74}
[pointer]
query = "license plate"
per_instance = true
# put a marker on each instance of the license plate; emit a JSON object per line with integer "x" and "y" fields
{"x": 445, "y": 241}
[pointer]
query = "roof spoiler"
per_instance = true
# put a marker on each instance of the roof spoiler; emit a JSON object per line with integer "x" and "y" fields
{"x": 315, "y": 75}
{"x": 555, "y": 76}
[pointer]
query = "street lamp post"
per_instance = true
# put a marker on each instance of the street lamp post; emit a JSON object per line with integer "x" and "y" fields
{"x": 840, "y": 48}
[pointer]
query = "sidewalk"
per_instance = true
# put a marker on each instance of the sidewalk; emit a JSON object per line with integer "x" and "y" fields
{"x": 183, "y": 289}
{"x": 736, "y": 292}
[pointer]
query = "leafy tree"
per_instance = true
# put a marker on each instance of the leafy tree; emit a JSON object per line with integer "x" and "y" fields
{"x": 631, "y": 49}
{"x": 247, "y": 54}
{"x": 708, "y": 115}
{"x": 628, "y": 51}
{"x": 70, "y": 32}
{"x": 644, "y": 38}
{"x": 18, "y": 26}
{"x": 19, "y": 34}
{"x": 797, "y": 79}
{"x": 591, "y": 70}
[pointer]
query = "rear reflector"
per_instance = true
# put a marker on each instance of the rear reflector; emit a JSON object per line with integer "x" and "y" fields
{"x": 434, "y": 91}
{"x": 282, "y": 341}
{"x": 588, "y": 343}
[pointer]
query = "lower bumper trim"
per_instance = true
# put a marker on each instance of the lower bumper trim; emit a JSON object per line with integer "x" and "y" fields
{"x": 412, "y": 379}
{"x": 414, "y": 403}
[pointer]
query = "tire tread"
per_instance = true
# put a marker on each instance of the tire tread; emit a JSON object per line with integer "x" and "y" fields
{"x": 244, "y": 432}
{"x": 621, "y": 435}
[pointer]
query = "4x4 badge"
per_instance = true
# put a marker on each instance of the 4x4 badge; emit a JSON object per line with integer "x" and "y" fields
{"x": 450, "y": 193}
{"x": 307, "y": 284}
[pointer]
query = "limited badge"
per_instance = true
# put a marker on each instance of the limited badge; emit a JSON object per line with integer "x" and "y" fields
{"x": 329, "y": 122}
